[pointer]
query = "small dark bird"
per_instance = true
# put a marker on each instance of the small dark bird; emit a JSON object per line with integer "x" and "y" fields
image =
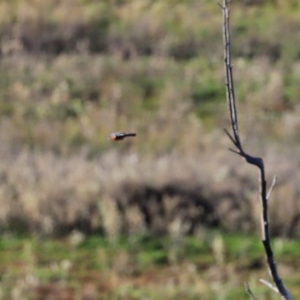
{"x": 118, "y": 136}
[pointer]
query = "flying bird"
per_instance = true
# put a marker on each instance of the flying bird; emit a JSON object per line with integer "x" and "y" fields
{"x": 118, "y": 136}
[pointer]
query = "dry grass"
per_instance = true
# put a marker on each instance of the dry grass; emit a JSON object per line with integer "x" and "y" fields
{"x": 68, "y": 80}
{"x": 127, "y": 193}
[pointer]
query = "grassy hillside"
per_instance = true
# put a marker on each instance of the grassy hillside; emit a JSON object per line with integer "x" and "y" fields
{"x": 153, "y": 67}
{"x": 74, "y": 71}
{"x": 69, "y": 79}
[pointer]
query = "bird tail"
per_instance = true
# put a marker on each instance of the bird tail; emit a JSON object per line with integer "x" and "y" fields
{"x": 131, "y": 134}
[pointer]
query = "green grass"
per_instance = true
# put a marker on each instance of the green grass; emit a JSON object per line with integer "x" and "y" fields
{"x": 136, "y": 267}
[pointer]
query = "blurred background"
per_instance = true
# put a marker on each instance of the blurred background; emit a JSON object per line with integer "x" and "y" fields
{"x": 170, "y": 214}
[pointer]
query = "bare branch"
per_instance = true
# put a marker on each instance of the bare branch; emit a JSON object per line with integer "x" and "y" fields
{"x": 272, "y": 187}
{"x": 256, "y": 161}
{"x": 231, "y": 138}
{"x": 234, "y": 151}
{"x": 269, "y": 285}
{"x": 249, "y": 291}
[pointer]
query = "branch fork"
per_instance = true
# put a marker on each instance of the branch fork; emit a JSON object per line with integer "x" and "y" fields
{"x": 256, "y": 161}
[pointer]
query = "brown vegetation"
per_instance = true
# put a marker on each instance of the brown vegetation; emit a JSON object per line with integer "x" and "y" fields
{"x": 45, "y": 193}
{"x": 70, "y": 79}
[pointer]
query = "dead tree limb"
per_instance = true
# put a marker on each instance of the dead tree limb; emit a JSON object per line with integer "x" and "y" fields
{"x": 256, "y": 161}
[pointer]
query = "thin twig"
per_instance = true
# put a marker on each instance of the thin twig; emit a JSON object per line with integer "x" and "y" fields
{"x": 272, "y": 187}
{"x": 249, "y": 291}
{"x": 269, "y": 285}
{"x": 256, "y": 161}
